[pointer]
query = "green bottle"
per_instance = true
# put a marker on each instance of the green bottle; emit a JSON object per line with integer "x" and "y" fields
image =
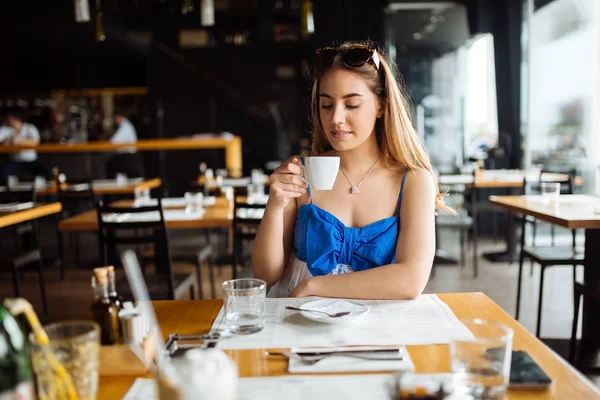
{"x": 16, "y": 381}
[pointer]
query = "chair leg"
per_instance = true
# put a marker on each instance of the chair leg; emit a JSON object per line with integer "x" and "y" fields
{"x": 519, "y": 280}
{"x": 475, "y": 255}
{"x": 16, "y": 284}
{"x": 199, "y": 280}
{"x": 573, "y": 341}
{"x": 462, "y": 248}
{"x": 42, "y": 286}
{"x": 192, "y": 295}
{"x": 61, "y": 255}
{"x": 533, "y": 244}
{"x": 540, "y": 298}
{"x": 77, "y": 251}
{"x": 211, "y": 273}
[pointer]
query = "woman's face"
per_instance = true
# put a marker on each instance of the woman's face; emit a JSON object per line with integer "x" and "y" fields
{"x": 347, "y": 109}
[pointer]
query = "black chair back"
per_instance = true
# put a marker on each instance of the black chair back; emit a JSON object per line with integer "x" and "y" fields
{"x": 17, "y": 195}
{"x": 246, "y": 219}
{"x": 135, "y": 226}
{"x": 76, "y": 196}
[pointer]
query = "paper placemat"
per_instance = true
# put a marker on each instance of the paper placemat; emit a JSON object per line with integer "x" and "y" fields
{"x": 170, "y": 215}
{"x": 347, "y": 387}
{"x": 425, "y": 320}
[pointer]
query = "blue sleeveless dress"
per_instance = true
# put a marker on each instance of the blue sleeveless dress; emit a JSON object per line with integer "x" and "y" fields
{"x": 323, "y": 245}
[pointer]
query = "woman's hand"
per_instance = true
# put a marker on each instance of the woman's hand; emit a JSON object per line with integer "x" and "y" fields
{"x": 286, "y": 183}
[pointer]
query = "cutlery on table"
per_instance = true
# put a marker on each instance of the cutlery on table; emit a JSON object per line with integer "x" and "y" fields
{"x": 330, "y": 315}
{"x": 311, "y": 360}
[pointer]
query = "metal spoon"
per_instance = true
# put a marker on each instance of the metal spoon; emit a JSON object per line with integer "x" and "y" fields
{"x": 336, "y": 315}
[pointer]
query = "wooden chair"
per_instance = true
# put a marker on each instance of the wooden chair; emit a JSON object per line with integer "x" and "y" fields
{"x": 118, "y": 226}
{"x": 26, "y": 251}
{"x": 75, "y": 196}
{"x": 246, "y": 219}
{"x": 545, "y": 256}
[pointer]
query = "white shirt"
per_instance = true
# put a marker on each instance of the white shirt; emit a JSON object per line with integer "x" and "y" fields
{"x": 28, "y": 131}
{"x": 125, "y": 134}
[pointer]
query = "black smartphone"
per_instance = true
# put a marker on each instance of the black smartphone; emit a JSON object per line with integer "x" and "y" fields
{"x": 525, "y": 373}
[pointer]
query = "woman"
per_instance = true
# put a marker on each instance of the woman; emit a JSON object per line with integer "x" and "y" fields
{"x": 347, "y": 242}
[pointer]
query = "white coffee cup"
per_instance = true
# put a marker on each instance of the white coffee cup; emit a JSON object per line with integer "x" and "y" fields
{"x": 320, "y": 172}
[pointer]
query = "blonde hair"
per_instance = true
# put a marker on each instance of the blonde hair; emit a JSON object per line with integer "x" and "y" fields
{"x": 396, "y": 135}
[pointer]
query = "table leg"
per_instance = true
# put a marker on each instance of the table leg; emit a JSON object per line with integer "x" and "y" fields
{"x": 510, "y": 254}
{"x": 590, "y": 341}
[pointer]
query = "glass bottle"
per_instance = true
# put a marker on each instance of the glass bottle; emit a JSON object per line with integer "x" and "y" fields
{"x": 100, "y": 36}
{"x": 103, "y": 311}
{"x": 16, "y": 380}
{"x": 112, "y": 288}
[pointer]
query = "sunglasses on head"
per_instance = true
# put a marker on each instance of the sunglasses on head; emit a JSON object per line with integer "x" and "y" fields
{"x": 353, "y": 57}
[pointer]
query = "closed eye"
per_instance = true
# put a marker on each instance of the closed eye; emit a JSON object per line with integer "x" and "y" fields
{"x": 325, "y": 107}
{"x": 352, "y": 107}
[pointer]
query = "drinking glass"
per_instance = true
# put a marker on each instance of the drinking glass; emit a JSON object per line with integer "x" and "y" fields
{"x": 550, "y": 191}
{"x": 481, "y": 363}
{"x": 76, "y": 346}
{"x": 12, "y": 180}
{"x": 141, "y": 195}
{"x": 121, "y": 179}
{"x": 245, "y": 305}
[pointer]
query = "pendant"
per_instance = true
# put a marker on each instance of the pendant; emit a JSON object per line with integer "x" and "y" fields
{"x": 354, "y": 190}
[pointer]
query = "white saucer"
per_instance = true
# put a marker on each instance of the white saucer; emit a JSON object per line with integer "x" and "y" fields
{"x": 333, "y": 306}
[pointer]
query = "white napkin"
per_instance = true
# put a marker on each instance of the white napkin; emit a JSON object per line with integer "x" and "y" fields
{"x": 341, "y": 363}
{"x": 7, "y": 207}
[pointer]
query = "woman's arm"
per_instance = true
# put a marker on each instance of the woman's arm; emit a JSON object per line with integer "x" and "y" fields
{"x": 415, "y": 250}
{"x": 271, "y": 247}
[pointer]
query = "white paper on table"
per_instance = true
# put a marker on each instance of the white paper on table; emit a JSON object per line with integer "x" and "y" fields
{"x": 170, "y": 215}
{"x": 425, "y": 320}
{"x": 173, "y": 202}
{"x": 341, "y": 363}
{"x": 8, "y": 207}
{"x": 112, "y": 183}
{"x": 347, "y": 387}
{"x": 142, "y": 389}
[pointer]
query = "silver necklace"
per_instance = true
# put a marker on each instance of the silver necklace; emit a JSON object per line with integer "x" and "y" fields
{"x": 354, "y": 188}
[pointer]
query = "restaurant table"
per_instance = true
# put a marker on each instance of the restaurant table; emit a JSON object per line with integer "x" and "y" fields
{"x": 39, "y": 210}
{"x": 572, "y": 212}
{"x": 219, "y": 215}
{"x": 505, "y": 179}
{"x": 232, "y": 147}
{"x": 100, "y": 186}
{"x": 197, "y": 316}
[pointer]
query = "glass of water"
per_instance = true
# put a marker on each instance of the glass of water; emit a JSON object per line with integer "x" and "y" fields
{"x": 245, "y": 305}
{"x": 76, "y": 346}
{"x": 481, "y": 363}
{"x": 550, "y": 191}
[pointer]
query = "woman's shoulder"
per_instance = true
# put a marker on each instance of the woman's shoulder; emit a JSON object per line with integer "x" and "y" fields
{"x": 420, "y": 180}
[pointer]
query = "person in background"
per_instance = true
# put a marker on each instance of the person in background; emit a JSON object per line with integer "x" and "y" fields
{"x": 373, "y": 235}
{"x": 25, "y": 163}
{"x": 125, "y": 160}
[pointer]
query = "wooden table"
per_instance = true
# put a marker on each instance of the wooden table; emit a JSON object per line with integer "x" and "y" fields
{"x": 38, "y": 211}
{"x": 194, "y": 317}
{"x": 572, "y": 212}
{"x": 219, "y": 215}
{"x": 100, "y": 188}
{"x": 503, "y": 179}
{"x": 232, "y": 147}
{"x": 493, "y": 179}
